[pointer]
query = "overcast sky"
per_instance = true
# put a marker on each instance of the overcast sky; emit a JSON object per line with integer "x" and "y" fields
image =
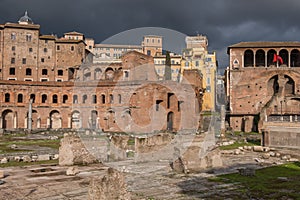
{"x": 224, "y": 22}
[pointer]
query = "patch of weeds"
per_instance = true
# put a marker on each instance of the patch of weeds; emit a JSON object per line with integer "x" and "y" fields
{"x": 21, "y": 164}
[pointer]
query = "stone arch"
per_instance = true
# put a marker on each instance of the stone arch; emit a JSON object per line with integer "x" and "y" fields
{"x": 170, "y": 121}
{"x": 270, "y": 57}
{"x": 35, "y": 120}
{"x": 55, "y": 119}
{"x": 273, "y": 86}
{"x": 75, "y": 119}
{"x": 86, "y": 74}
{"x": 248, "y": 58}
{"x": 260, "y": 58}
{"x": 289, "y": 87}
{"x": 284, "y": 54}
{"x": 8, "y": 118}
{"x": 111, "y": 117}
{"x": 97, "y": 74}
{"x": 295, "y": 58}
{"x": 109, "y": 73}
{"x": 94, "y": 119}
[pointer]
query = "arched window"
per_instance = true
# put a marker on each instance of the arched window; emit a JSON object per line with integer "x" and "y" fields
{"x": 7, "y": 97}
{"x": 284, "y": 54}
{"x": 270, "y": 57}
{"x": 103, "y": 98}
{"x": 44, "y": 98}
{"x": 65, "y": 98}
{"x": 75, "y": 99}
{"x": 248, "y": 58}
{"x": 84, "y": 98}
{"x": 260, "y": 58}
{"x": 295, "y": 58}
{"x": 32, "y": 96}
{"x": 20, "y": 98}
{"x": 120, "y": 98}
{"x": 111, "y": 98}
{"x": 54, "y": 98}
{"x": 94, "y": 99}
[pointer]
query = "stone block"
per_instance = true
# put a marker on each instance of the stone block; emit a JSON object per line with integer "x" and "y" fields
{"x": 43, "y": 157}
{"x": 258, "y": 148}
{"x": 4, "y": 160}
{"x": 72, "y": 171}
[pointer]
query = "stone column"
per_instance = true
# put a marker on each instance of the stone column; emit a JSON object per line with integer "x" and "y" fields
{"x": 30, "y": 115}
{"x": 1, "y": 122}
{"x": 15, "y": 120}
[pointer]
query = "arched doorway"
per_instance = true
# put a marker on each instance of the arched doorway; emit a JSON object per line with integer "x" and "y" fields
{"x": 55, "y": 119}
{"x": 109, "y": 74}
{"x": 75, "y": 120}
{"x": 170, "y": 121}
{"x": 94, "y": 117}
{"x": 270, "y": 57}
{"x": 295, "y": 58}
{"x": 8, "y": 119}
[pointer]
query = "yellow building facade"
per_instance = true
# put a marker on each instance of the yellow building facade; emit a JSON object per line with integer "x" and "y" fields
{"x": 196, "y": 56}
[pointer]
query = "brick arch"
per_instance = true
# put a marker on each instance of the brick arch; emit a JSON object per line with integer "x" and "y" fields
{"x": 260, "y": 58}
{"x": 76, "y": 119}
{"x": 109, "y": 73}
{"x": 295, "y": 58}
{"x": 284, "y": 54}
{"x": 55, "y": 119}
{"x": 248, "y": 58}
{"x": 270, "y": 57}
{"x": 8, "y": 116}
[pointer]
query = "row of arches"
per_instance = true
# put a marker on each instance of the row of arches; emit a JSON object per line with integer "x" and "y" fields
{"x": 262, "y": 58}
{"x": 9, "y": 120}
{"x": 44, "y": 98}
{"x": 98, "y": 73}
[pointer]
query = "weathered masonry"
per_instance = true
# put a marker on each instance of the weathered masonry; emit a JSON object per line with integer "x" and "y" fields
{"x": 262, "y": 85}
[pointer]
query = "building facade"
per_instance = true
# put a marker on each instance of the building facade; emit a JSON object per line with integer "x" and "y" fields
{"x": 262, "y": 85}
{"x": 196, "y": 56}
{"x": 52, "y": 83}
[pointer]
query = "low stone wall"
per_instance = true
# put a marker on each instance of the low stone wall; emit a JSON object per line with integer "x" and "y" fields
{"x": 73, "y": 152}
{"x": 288, "y": 137}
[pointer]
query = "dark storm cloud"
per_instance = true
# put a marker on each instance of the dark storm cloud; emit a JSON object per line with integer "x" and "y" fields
{"x": 224, "y": 22}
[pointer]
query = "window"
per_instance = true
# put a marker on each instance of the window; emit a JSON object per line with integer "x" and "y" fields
{"x": 42, "y": 60}
{"x": 60, "y": 72}
{"x": 111, "y": 98}
{"x": 208, "y": 80}
{"x": 84, "y": 98}
{"x": 45, "y": 50}
{"x": 30, "y": 49}
{"x": 12, "y": 71}
{"x": 23, "y": 61}
{"x": 13, "y": 60}
{"x": 46, "y": 41}
{"x": 28, "y": 37}
{"x": 75, "y": 99}
{"x": 186, "y": 63}
{"x": 28, "y": 72}
{"x": 54, "y": 98}
{"x": 148, "y": 52}
{"x": 7, "y": 97}
{"x": 13, "y": 48}
{"x": 103, "y": 98}
{"x": 44, "y": 98}
{"x": 44, "y": 72}
{"x": 126, "y": 74}
{"x": 197, "y": 63}
{"x": 120, "y": 98}
{"x": 65, "y": 98}
{"x": 57, "y": 47}
{"x": 72, "y": 48}
{"x": 207, "y": 89}
{"x": 94, "y": 99}
{"x": 13, "y": 36}
{"x": 44, "y": 79}
{"x": 32, "y": 96}
{"x": 20, "y": 98}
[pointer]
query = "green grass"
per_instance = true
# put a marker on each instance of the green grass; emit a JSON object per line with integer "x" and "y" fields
{"x": 265, "y": 184}
{"x": 21, "y": 164}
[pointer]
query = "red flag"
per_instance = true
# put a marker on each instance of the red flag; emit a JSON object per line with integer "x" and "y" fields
{"x": 277, "y": 58}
